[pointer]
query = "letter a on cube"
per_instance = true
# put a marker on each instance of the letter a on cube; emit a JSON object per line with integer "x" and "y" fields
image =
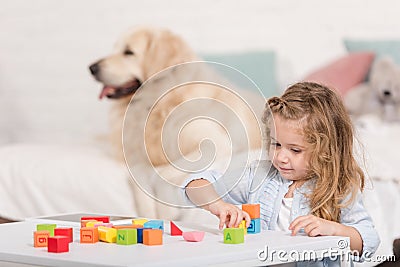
{"x": 233, "y": 235}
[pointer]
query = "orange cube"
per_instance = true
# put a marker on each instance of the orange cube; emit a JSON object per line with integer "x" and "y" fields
{"x": 152, "y": 237}
{"x": 252, "y": 209}
{"x": 40, "y": 238}
{"x": 89, "y": 235}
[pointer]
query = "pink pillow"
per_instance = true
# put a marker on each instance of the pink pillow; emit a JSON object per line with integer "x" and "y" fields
{"x": 344, "y": 73}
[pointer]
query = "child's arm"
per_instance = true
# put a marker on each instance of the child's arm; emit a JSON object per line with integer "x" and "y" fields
{"x": 314, "y": 226}
{"x": 202, "y": 193}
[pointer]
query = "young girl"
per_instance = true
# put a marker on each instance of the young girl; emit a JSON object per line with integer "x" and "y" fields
{"x": 314, "y": 184}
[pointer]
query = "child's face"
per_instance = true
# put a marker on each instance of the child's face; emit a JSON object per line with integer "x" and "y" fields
{"x": 289, "y": 151}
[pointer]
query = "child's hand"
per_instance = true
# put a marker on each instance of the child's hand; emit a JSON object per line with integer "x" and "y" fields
{"x": 313, "y": 226}
{"x": 228, "y": 214}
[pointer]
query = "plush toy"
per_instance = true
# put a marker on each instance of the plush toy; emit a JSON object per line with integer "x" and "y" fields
{"x": 380, "y": 95}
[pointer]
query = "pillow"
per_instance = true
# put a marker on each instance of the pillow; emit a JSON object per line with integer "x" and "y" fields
{"x": 389, "y": 48}
{"x": 345, "y": 72}
{"x": 259, "y": 66}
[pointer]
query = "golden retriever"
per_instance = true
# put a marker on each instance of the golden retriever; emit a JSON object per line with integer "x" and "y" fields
{"x": 167, "y": 105}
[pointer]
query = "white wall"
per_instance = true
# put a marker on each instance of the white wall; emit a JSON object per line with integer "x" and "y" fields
{"x": 47, "y": 94}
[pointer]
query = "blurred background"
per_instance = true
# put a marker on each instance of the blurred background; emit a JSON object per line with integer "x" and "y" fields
{"x": 48, "y": 95}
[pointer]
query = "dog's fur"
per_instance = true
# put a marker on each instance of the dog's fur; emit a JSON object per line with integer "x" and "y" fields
{"x": 133, "y": 70}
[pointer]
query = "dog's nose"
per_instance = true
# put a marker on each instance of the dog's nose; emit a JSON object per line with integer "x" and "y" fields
{"x": 387, "y": 93}
{"x": 94, "y": 68}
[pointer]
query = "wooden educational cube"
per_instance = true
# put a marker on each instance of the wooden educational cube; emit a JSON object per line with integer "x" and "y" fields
{"x": 139, "y": 221}
{"x": 255, "y": 226}
{"x": 243, "y": 225}
{"x": 92, "y": 223}
{"x": 140, "y": 234}
{"x": 233, "y": 235}
{"x": 110, "y": 225}
{"x": 85, "y": 222}
{"x": 89, "y": 235}
{"x": 104, "y": 219}
{"x": 193, "y": 236}
{"x": 58, "y": 244}
{"x": 127, "y": 226}
{"x": 252, "y": 209}
{"x": 65, "y": 232}
{"x": 175, "y": 229}
{"x": 154, "y": 224}
{"x": 107, "y": 234}
{"x": 126, "y": 236}
{"x": 152, "y": 237}
{"x": 46, "y": 227}
{"x": 40, "y": 238}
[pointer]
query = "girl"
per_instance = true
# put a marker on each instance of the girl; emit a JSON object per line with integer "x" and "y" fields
{"x": 314, "y": 184}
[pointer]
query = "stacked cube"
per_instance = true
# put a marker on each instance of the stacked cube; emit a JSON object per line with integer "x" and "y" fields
{"x": 236, "y": 235}
{"x": 254, "y": 211}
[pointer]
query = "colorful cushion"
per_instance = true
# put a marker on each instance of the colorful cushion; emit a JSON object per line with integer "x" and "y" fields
{"x": 345, "y": 72}
{"x": 381, "y": 48}
{"x": 259, "y": 66}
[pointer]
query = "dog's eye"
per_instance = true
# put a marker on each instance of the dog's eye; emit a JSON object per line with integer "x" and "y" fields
{"x": 128, "y": 52}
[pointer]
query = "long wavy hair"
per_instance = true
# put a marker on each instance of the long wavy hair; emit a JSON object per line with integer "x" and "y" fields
{"x": 328, "y": 130}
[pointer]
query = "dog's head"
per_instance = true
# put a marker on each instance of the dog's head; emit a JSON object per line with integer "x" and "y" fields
{"x": 139, "y": 54}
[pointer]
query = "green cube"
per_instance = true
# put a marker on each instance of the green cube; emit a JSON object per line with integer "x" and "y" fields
{"x": 47, "y": 227}
{"x": 233, "y": 235}
{"x": 126, "y": 236}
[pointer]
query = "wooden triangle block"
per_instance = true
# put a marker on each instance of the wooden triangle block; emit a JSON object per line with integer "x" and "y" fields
{"x": 175, "y": 229}
{"x": 193, "y": 236}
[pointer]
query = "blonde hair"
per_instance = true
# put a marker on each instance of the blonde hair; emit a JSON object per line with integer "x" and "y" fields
{"x": 328, "y": 130}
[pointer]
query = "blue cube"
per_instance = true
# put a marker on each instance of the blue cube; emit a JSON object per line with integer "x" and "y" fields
{"x": 140, "y": 234}
{"x": 154, "y": 224}
{"x": 255, "y": 226}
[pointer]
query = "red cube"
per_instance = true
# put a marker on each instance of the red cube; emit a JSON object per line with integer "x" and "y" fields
{"x": 104, "y": 219}
{"x": 64, "y": 232}
{"x": 58, "y": 244}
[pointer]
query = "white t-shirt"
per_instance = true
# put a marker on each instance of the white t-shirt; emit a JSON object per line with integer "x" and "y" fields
{"x": 284, "y": 221}
{"x": 284, "y": 214}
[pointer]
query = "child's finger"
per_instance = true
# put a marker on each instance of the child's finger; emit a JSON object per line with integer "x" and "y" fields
{"x": 311, "y": 228}
{"x": 301, "y": 224}
{"x": 233, "y": 218}
{"x": 239, "y": 219}
{"x": 222, "y": 219}
{"x": 246, "y": 216}
{"x": 296, "y": 221}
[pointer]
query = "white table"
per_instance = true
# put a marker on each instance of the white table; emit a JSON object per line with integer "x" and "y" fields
{"x": 16, "y": 245}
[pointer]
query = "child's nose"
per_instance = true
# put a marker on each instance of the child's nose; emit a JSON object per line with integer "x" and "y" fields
{"x": 281, "y": 156}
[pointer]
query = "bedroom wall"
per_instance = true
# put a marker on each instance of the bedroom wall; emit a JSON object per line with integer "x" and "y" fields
{"x": 47, "y": 94}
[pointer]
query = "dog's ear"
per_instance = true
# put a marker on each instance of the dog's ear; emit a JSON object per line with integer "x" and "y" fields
{"x": 165, "y": 49}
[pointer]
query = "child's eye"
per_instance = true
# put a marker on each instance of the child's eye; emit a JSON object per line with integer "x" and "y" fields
{"x": 275, "y": 144}
{"x": 295, "y": 150}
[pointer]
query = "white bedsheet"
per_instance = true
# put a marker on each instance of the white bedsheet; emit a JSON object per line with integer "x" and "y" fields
{"x": 38, "y": 180}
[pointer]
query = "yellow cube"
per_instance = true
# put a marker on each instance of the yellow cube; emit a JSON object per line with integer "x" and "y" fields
{"x": 139, "y": 221}
{"x": 107, "y": 234}
{"x": 92, "y": 223}
{"x": 243, "y": 225}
